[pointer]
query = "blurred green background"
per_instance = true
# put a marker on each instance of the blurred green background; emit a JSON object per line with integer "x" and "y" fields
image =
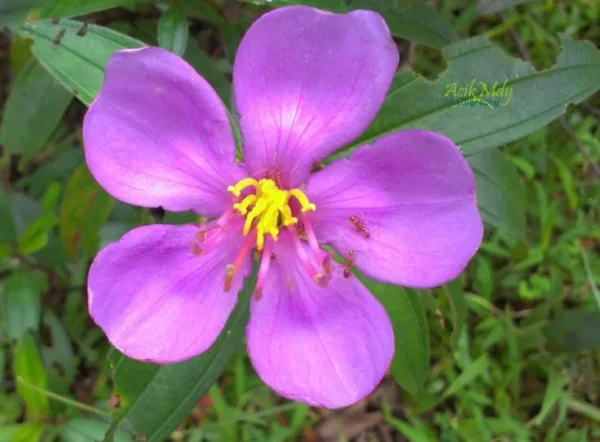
{"x": 509, "y": 352}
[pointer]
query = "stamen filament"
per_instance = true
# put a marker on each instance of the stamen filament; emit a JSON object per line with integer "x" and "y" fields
{"x": 310, "y": 236}
{"x": 241, "y": 185}
{"x": 246, "y": 202}
{"x": 265, "y": 263}
{"x": 232, "y": 270}
{"x": 198, "y": 246}
{"x": 286, "y": 215}
{"x": 259, "y": 208}
{"x": 305, "y": 204}
{"x": 309, "y": 262}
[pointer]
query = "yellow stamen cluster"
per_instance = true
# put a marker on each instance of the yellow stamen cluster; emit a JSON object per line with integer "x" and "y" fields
{"x": 269, "y": 206}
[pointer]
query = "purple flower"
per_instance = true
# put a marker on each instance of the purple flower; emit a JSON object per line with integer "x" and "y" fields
{"x": 306, "y": 83}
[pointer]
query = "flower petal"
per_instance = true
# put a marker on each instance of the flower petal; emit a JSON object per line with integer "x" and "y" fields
{"x": 307, "y": 82}
{"x": 327, "y": 346}
{"x": 155, "y": 300}
{"x": 415, "y": 195}
{"x": 158, "y": 135}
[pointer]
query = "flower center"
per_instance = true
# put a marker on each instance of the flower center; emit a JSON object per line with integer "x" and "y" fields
{"x": 265, "y": 208}
{"x": 268, "y": 207}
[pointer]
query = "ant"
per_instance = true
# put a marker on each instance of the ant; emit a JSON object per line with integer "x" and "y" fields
{"x": 349, "y": 263}
{"x": 82, "y": 31}
{"x": 360, "y": 226}
{"x": 58, "y": 37}
{"x": 301, "y": 232}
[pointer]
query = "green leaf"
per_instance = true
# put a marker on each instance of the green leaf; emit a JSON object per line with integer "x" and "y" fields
{"x": 202, "y": 10}
{"x": 578, "y": 435}
{"x": 500, "y": 192}
{"x": 21, "y": 305}
{"x": 207, "y": 67}
{"x": 573, "y": 330}
{"x": 57, "y": 168}
{"x": 418, "y": 22}
{"x": 73, "y": 8}
{"x": 472, "y": 372}
{"x": 37, "y": 234}
{"x": 554, "y": 391}
{"x": 31, "y": 374}
{"x": 20, "y": 54}
{"x": 76, "y": 53}
{"x": 410, "y": 365}
{"x": 58, "y": 354}
{"x": 458, "y": 304}
{"x": 526, "y": 99}
{"x": 36, "y": 100}
{"x": 568, "y": 181}
{"x": 8, "y": 232}
{"x": 591, "y": 278}
{"x": 25, "y": 210}
{"x": 173, "y": 30}
{"x": 81, "y": 429}
{"x": 15, "y": 11}
{"x": 155, "y": 399}
{"x": 2, "y": 370}
{"x": 84, "y": 210}
{"x": 231, "y": 34}
{"x": 22, "y": 432}
{"x": 412, "y": 20}
{"x": 329, "y": 5}
{"x": 493, "y": 6}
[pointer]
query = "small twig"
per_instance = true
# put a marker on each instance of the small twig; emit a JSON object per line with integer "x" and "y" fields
{"x": 520, "y": 46}
{"x": 36, "y": 266}
{"x": 253, "y": 418}
{"x": 410, "y": 58}
{"x": 515, "y": 36}
{"x": 501, "y": 314}
{"x": 62, "y": 399}
{"x": 582, "y": 407}
{"x": 580, "y": 146}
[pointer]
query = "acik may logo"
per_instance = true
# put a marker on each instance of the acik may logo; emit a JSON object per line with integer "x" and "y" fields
{"x": 479, "y": 93}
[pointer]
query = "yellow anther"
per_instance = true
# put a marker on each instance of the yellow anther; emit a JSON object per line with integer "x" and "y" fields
{"x": 268, "y": 206}
{"x": 270, "y": 218}
{"x": 305, "y": 204}
{"x": 260, "y": 237}
{"x": 241, "y": 185}
{"x": 259, "y": 207}
{"x": 287, "y": 218}
{"x": 246, "y": 202}
{"x": 260, "y": 240}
